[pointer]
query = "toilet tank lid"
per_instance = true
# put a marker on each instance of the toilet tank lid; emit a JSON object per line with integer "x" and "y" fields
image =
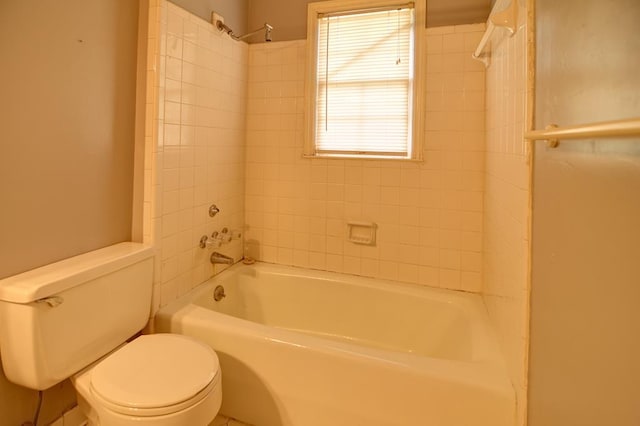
{"x": 47, "y": 281}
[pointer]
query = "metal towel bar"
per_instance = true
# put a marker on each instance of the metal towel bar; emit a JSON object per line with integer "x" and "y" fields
{"x": 604, "y": 129}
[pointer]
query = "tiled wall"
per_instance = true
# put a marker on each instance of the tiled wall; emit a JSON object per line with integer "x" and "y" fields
{"x": 506, "y": 204}
{"x": 429, "y": 214}
{"x": 435, "y": 218}
{"x": 194, "y": 146}
{"x": 432, "y": 229}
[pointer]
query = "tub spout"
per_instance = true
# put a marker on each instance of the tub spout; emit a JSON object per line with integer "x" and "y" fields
{"x": 220, "y": 258}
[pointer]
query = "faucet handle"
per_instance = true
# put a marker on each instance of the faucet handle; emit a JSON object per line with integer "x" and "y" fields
{"x": 209, "y": 242}
{"x": 224, "y": 235}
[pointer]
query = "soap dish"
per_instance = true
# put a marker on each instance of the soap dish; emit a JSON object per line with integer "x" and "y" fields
{"x": 362, "y": 232}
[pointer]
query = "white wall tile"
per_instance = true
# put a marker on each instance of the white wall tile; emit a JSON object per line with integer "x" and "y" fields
{"x": 386, "y": 192}
{"x": 505, "y": 225}
{"x": 195, "y": 119}
{"x": 217, "y": 98}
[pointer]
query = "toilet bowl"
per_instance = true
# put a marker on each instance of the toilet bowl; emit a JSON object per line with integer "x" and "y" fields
{"x": 158, "y": 379}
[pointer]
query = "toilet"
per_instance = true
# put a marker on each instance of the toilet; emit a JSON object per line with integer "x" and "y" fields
{"x": 79, "y": 318}
{"x": 177, "y": 383}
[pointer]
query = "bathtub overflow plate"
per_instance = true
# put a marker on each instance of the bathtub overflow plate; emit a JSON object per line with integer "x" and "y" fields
{"x": 218, "y": 293}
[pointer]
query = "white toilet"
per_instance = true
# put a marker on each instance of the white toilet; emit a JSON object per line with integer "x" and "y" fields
{"x": 74, "y": 318}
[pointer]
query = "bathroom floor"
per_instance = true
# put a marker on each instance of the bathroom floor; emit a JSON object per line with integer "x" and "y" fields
{"x": 221, "y": 420}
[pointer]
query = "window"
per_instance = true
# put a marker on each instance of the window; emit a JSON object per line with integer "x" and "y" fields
{"x": 364, "y": 79}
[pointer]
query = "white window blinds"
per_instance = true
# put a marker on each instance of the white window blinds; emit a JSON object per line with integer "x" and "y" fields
{"x": 365, "y": 83}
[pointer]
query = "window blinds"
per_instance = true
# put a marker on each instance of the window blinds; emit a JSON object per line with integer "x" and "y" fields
{"x": 365, "y": 83}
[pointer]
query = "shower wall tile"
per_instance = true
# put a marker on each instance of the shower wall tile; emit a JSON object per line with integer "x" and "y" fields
{"x": 429, "y": 214}
{"x": 196, "y": 91}
{"x": 506, "y": 205}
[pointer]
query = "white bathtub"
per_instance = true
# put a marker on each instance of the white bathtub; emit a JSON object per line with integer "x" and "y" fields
{"x": 309, "y": 348}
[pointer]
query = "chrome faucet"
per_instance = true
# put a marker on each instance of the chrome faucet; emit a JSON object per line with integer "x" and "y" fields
{"x": 220, "y": 258}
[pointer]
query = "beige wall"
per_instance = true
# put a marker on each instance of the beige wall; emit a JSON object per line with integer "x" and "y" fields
{"x": 194, "y": 145}
{"x": 429, "y": 214}
{"x": 585, "y": 316}
{"x": 233, "y": 11}
{"x": 585, "y": 319}
{"x": 506, "y": 203}
{"x": 67, "y": 119}
{"x": 18, "y": 404}
{"x": 289, "y": 17}
{"x": 66, "y": 167}
{"x": 446, "y": 12}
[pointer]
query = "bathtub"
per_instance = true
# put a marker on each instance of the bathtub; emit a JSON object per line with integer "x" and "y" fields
{"x": 310, "y": 348}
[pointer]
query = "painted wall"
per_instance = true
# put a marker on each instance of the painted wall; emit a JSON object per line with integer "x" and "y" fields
{"x": 506, "y": 203}
{"x": 429, "y": 214}
{"x": 67, "y": 128}
{"x": 233, "y": 11}
{"x": 196, "y": 91}
{"x": 68, "y": 89}
{"x": 446, "y": 12}
{"x": 289, "y": 17}
{"x": 585, "y": 316}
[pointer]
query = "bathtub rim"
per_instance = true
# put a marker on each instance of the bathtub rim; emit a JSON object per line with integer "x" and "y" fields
{"x": 485, "y": 345}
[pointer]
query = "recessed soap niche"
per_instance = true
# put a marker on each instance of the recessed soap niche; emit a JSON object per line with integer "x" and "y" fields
{"x": 359, "y": 232}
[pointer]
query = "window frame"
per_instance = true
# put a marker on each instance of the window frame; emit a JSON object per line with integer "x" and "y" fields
{"x": 311, "y": 79}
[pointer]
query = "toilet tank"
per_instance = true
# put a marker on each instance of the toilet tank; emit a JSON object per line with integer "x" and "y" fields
{"x": 57, "y": 319}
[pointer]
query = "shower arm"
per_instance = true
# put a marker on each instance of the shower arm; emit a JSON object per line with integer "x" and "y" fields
{"x": 266, "y": 27}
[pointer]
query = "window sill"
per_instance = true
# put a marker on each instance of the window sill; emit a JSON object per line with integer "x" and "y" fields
{"x": 361, "y": 157}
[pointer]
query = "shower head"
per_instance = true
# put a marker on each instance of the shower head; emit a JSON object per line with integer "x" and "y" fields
{"x": 266, "y": 27}
{"x": 267, "y": 32}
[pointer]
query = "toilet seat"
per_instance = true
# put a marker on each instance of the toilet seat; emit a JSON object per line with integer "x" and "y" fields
{"x": 155, "y": 375}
